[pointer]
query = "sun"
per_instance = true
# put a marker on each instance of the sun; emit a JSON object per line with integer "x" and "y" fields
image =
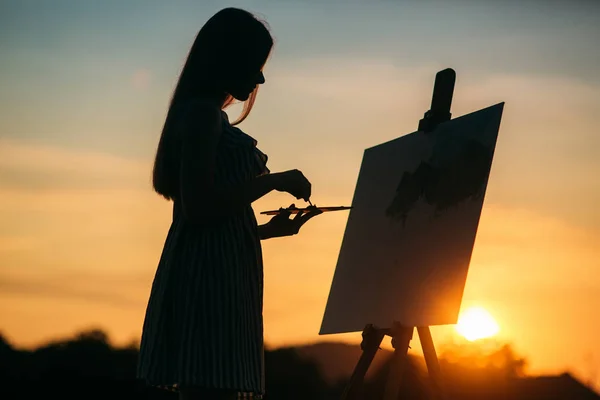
{"x": 476, "y": 323}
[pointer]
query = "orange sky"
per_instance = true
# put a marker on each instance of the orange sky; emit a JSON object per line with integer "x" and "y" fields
{"x": 81, "y": 230}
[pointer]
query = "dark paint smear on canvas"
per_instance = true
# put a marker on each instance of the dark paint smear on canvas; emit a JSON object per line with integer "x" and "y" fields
{"x": 446, "y": 184}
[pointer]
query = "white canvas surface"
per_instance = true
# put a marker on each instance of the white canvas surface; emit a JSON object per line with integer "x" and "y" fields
{"x": 410, "y": 234}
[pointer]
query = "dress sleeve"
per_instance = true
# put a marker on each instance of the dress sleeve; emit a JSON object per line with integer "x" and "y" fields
{"x": 261, "y": 162}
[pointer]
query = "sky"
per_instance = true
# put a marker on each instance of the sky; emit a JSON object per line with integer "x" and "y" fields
{"x": 85, "y": 89}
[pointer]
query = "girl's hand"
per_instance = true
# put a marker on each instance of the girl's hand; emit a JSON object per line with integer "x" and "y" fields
{"x": 282, "y": 225}
{"x": 294, "y": 183}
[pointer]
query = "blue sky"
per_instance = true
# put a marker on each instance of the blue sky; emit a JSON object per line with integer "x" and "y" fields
{"x": 65, "y": 55}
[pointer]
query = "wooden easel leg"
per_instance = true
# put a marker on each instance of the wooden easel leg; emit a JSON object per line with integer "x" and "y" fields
{"x": 401, "y": 338}
{"x": 371, "y": 341}
{"x": 431, "y": 360}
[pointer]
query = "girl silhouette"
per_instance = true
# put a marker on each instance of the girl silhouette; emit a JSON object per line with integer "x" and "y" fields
{"x": 203, "y": 328}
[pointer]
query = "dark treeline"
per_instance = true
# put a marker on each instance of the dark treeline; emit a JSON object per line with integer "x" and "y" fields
{"x": 87, "y": 366}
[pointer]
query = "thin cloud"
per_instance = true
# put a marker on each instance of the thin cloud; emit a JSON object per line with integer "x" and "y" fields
{"x": 33, "y": 166}
{"x": 141, "y": 79}
{"x": 17, "y": 243}
{"x": 57, "y": 290}
{"x": 17, "y": 154}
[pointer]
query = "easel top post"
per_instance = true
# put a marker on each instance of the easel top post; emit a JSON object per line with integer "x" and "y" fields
{"x": 441, "y": 101}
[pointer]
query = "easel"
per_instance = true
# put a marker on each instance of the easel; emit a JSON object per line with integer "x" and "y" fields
{"x": 401, "y": 336}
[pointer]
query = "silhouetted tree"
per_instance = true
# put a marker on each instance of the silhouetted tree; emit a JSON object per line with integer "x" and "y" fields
{"x": 496, "y": 360}
{"x": 290, "y": 377}
{"x": 89, "y": 366}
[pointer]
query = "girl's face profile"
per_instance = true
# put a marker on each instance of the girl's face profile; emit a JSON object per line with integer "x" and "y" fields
{"x": 249, "y": 71}
{"x": 245, "y": 83}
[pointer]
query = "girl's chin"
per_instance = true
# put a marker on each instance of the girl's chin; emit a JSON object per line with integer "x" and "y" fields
{"x": 242, "y": 95}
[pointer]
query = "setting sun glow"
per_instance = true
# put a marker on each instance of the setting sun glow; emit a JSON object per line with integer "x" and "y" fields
{"x": 476, "y": 323}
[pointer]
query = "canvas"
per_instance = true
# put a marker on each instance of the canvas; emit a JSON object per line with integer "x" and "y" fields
{"x": 410, "y": 234}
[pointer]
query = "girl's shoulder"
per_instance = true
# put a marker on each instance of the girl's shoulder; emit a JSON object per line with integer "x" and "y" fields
{"x": 195, "y": 108}
{"x": 194, "y": 115}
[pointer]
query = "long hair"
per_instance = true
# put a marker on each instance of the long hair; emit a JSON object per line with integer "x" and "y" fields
{"x": 232, "y": 44}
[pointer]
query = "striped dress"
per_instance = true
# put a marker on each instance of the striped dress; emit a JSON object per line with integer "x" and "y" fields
{"x": 203, "y": 325}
